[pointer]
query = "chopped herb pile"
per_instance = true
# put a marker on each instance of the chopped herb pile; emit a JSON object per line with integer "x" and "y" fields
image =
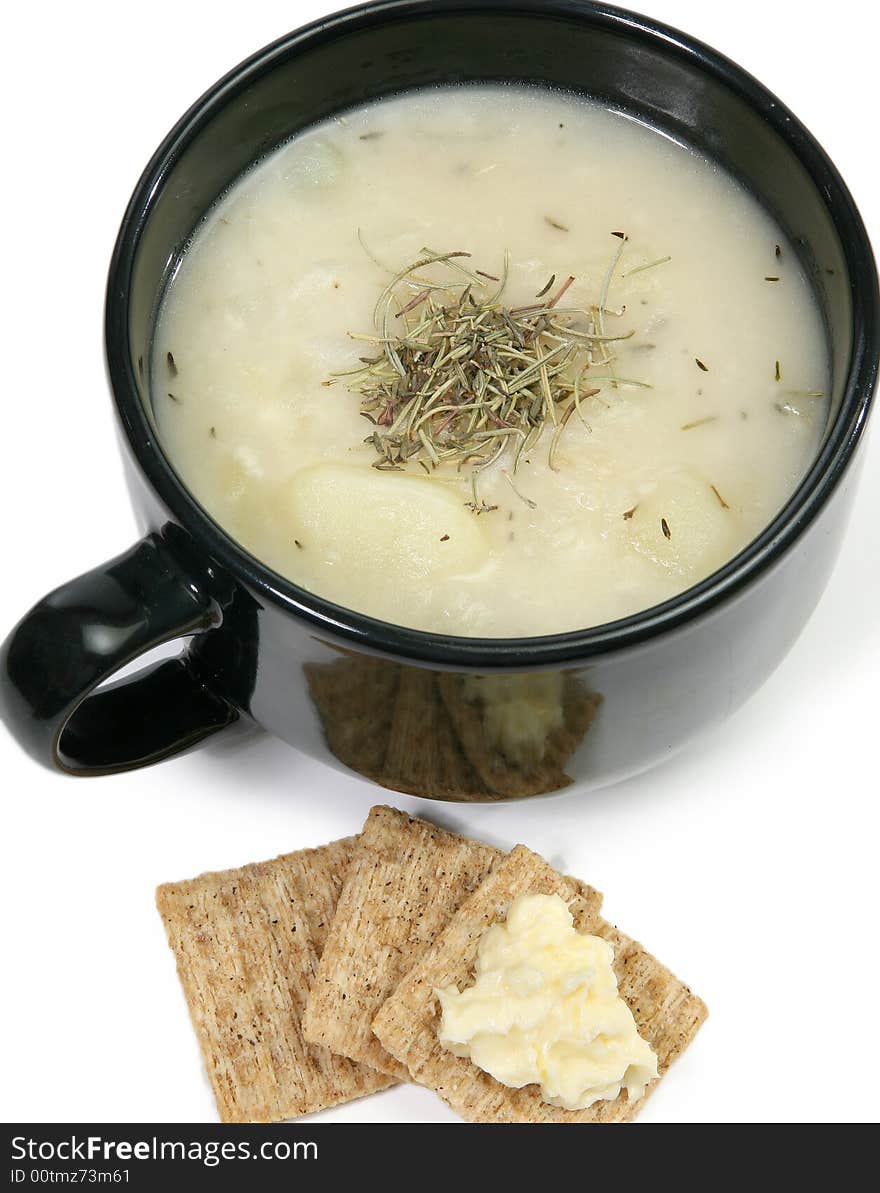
{"x": 459, "y": 378}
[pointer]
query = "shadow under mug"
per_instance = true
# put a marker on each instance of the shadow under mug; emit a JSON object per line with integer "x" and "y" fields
{"x": 407, "y": 709}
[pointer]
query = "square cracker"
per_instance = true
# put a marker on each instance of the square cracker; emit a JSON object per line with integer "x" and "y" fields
{"x": 247, "y": 944}
{"x": 666, "y": 1012}
{"x": 405, "y": 879}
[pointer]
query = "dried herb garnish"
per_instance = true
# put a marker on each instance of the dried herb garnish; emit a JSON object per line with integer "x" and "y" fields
{"x": 444, "y": 538}
{"x": 175, "y": 398}
{"x": 664, "y": 526}
{"x": 297, "y": 543}
{"x": 771, "y": 279}
{"x": 778, "y": 372}
{"x": 700, "y": 365}
{"x": 373, "y": 136}
{"x": 699, "y": 422}
{"x": 647, "y": 265}
{"x": 212, "y": 431}
{"x": 555, "y": 223}
{"x": 778, "y": 250}
{"x": 172, "y": 367}
{"x": 528, "y": 501}
{"x": 458, "y": 378}
{"x": 721, "y": 500}
{"x": 627, "y": 514}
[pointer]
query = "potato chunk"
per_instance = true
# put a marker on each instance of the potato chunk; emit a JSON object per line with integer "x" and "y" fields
{"x": 380, "y": 531}
{"x": 317, "y": 166}
{"x": 682, "y": 527}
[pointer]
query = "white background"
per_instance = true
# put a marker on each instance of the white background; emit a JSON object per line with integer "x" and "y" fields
{"x": 748, "y": 863}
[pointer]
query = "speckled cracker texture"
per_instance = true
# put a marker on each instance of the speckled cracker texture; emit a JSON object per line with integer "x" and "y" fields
{"x": 247, "y": 944}
{"x": 406, "y": 878}
{"x": 667, "y": 1014}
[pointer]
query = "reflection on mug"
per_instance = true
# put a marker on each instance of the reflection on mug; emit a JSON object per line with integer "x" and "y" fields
{"x": 452, "y": 736}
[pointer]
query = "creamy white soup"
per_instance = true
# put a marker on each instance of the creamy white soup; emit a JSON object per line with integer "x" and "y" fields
{"x": 608, "y": 398}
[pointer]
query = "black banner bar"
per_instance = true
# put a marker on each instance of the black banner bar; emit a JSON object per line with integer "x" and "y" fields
{"x": 287, "y": 1156}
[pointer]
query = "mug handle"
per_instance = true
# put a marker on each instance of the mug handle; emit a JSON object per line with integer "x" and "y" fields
{"x": 79, "y": 635}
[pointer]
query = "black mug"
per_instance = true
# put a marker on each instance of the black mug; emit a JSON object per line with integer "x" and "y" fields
{"x": 402, "y": 707}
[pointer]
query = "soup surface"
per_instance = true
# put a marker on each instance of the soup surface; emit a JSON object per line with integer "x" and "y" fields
{"x": 688, "y": 380}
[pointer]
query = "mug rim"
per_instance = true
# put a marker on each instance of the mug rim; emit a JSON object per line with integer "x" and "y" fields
{"x": 745, "y": 568}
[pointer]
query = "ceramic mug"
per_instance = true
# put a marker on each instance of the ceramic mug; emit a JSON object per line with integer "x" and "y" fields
{"x": 396, "y": 705}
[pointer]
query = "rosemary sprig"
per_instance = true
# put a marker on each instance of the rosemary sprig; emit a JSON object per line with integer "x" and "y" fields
{"x": 647, "y": 265}
{"x": 699, "y": 422}
{"x": 458, "y": 378}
